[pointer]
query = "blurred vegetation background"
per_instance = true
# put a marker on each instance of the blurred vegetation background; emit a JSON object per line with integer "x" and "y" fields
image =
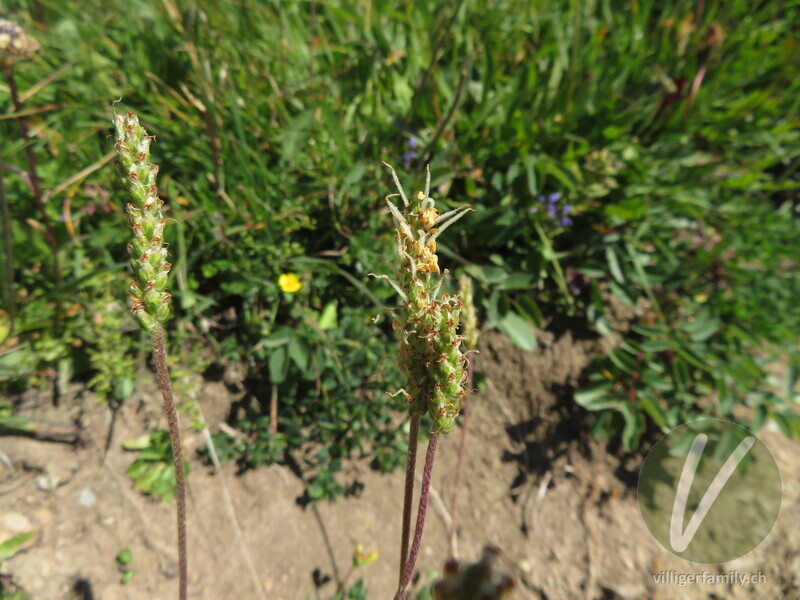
{"x": 643, "y": 153}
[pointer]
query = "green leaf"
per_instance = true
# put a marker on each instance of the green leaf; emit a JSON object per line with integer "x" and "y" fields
{"x": 653, "y": 408}
{"x": 613, "y": 265}
{"x": 10, "y": 547}
{"x": 298, "y": 353}
{"x": 278, "y": 365}
{"x": 518, "y": 331}
{"x": 328, "y": 318}
{"x": 280, "y": 338}
{"x": 597, "y": 397}
{"x": 138, "y": 444}
{"x": 634, "y": 426}
{"x": 125, "y": 557}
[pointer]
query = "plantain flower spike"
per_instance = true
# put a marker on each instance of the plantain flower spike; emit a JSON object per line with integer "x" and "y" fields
{"x": 15, "y": 44}
{"x": 431, "y": 357}
{"x": 468, "y": 315}
{"x": 149, "y": 300}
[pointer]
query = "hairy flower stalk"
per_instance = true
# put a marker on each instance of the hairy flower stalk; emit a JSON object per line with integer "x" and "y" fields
{"x": 431, "y": 357}
{"x": 149, "y": 300}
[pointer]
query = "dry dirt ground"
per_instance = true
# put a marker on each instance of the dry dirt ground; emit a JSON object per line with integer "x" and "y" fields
{"x": 561, "y": 507}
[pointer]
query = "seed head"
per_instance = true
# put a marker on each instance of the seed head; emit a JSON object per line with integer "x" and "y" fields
{"x": 431, "y": 355}
{"x": 15, "y": 44}
{"x": 149, "y": 300}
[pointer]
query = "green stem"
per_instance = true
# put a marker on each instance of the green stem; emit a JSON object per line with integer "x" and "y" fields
{"x": 160, "y": 355}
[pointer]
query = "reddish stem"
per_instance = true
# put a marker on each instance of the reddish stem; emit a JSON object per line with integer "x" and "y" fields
{"x": 160, "y": 355}
{"x": 36, "y": 186}
{"x": 421, "y": 511}
{"x": 411, "y": 467}
{"x": 34, "y": 176}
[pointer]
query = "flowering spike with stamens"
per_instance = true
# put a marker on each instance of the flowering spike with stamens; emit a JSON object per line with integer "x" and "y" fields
{"x": 431, "y": 355}
{"x": 149, "y": 300}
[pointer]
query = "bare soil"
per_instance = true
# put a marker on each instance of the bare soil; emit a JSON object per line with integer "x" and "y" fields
{"x": 561, "y": 506}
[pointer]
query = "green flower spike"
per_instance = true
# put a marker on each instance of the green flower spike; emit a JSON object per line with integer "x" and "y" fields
{"x": 149, "y": 300}
{"x": 431, "y": 357}
{"x": 469, "y": 316}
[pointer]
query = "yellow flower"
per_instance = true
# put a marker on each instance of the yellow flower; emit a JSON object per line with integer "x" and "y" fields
{"x": 290, "y": 283}
{"x": 361, "y": 558}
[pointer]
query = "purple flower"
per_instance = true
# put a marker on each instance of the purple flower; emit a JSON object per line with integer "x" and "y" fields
{"x": 566, "y": 209}
{"x": 553, "y": 198}
{"x": 551, "y": 211}
{"x": 413, "y": 142}
{"x": 408, "y": 157}
{"x": 566, "y": 221}
{"x": 541, "y": 199}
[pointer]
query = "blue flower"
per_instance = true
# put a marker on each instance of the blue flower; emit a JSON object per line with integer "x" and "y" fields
{"x": 413, "y": 142}
{"x": 408, "y": 157}
{"x": 566, "y": 221}
{"x": 553, "y": 198}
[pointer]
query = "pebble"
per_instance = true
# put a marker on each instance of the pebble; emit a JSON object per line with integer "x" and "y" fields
{"x": 86, "y": 498}
{"x": 16, "y": 523}
{"x": 47, "y": 483}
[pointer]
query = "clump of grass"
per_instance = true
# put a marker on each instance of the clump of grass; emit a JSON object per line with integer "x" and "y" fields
{"x": 431, "y": 357}
{"x": 149, "y": 300}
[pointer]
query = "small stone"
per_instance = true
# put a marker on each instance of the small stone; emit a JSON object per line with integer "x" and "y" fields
{"x": 15, "y": 523}
{"x": 47, "y": 483}
{"x": 86, "y": 498}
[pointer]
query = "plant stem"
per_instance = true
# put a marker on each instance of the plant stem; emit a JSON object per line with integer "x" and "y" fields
{"x": 160, "y": 355}
{"x": 36, "y": 186}
{"x": 421, "y": 511}
{"x": 8, "y": 252}
{"x": 411, "y": 467}
{"x": 460, "y": 462}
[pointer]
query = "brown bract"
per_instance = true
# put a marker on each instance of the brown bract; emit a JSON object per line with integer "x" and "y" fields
{"x": 15, "y": 44}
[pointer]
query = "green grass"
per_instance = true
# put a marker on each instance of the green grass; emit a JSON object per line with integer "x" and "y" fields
{"x": 272, "y": 120}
